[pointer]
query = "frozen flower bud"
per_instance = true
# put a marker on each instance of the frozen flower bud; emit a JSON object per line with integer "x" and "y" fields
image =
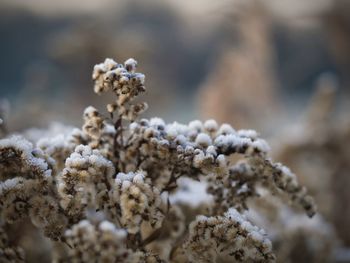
{"x": 94, "y": 123}
{"x": 90, "y": 112}
{"x": 138, "y": 178}
{"x": 111, "y": 107}
{"x": 196, "y": 125}
{"x": 189, "y": 149}
{"x": 225, "y": 129}
{"x": 158, "y": 123}
{"x": 109, "y": 76}
{"x": 130, "y": 65}
{"x": 211, "y": 150}
{"x": 136, "y": 110}
{"x": 260, "y": 146}
{"x": 248, "y": 134}
{"x": 181, "y": 140}
{"x": 98, "y": 70}
{"x": 221, "y": 160}
{"x": 110, "y": 64}
{"x": 138, "y": 78}
{"x": 203, "y": 140}
{"x": 211, "y": 126}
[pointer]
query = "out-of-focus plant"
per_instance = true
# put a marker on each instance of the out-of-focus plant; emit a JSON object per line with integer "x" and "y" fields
{"x": 105, "y": 193}
{"x": 4, "y": 110}
{"x": 242, "y": 87}
{"x": 319, "y": 151}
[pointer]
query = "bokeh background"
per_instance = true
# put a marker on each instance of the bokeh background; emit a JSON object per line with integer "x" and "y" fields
{"x": 281, "y": 67}
{"x": 271, "y": 53}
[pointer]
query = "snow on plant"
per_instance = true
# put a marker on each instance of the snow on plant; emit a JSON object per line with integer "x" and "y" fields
{"x": 105, "y": 191}
{"x": 212, "y": 236}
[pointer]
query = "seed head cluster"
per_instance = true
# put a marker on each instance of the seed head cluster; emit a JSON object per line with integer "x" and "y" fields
{"x": 105, "y": 192}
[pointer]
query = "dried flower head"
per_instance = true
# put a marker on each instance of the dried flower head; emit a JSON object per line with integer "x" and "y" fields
{"x": 230, "y": 235}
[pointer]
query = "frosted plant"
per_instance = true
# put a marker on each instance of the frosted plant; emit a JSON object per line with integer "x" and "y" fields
{"x": 124, "y": 82}
{"x": 61, "y": 146}
{"x": 228, "y": 235}
{"x": 85, "y": 181}
{"x": 138, "y": 200}
{"x": 9, "y": 253}
{"x": 318, "y": 150}
{"x": 107, "y": 192}
{"x": 102, "y": 243}
{"x": 292, "y": 233}
{"x": 28, "y": 187}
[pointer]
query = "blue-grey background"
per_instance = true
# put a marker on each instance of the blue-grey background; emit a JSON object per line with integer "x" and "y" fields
{"x": 48, "y": 49}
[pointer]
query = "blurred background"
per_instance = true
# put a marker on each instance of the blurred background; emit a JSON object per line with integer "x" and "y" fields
{"x": 281, "y": 67}
{"x": 261, "y": 54}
